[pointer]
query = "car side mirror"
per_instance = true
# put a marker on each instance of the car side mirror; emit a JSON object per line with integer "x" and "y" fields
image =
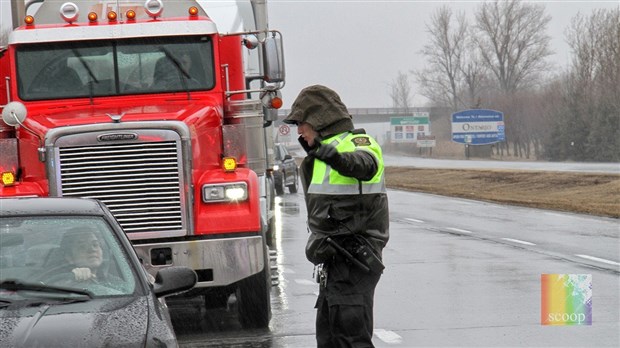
{"x": 173, "y": 280}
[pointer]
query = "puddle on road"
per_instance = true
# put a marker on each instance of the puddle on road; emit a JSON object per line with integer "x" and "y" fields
{"x": 290, "y": 208}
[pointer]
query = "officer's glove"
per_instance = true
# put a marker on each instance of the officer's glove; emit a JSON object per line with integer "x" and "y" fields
{"x": 327, "y": 153}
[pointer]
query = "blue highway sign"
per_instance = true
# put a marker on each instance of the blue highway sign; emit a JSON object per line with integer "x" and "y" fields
{"x": 478, "y": 127}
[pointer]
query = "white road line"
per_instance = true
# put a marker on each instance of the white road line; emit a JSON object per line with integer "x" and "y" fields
{"x": 460, "y": 201}
{"x": 305, "y": 282}
{"x": 598, "y": 259}
{"x": 414, "y": 220}
{"x": 518, "y": 241}
{"x": 389, "y": 337}
{"x": 458, "y": 230}
{"x": 555, "y": 214}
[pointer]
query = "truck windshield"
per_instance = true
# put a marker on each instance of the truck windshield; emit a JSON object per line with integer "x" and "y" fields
{"x": 114, "y": 67}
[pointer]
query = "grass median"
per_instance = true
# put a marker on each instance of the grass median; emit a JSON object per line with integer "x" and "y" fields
{"x": 588, "y": 193}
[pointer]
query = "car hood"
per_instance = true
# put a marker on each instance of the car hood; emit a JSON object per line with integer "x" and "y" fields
{"x": 96, "y": 323}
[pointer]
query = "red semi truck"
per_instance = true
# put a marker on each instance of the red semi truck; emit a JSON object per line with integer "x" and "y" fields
{"x": 149, "y": 108}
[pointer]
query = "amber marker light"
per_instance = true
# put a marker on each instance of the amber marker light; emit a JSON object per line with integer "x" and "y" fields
{"x": 92, "y": 17}
{"x": 276, "y": 103}
{"x": 8, "y": 178}
{"x": 193, "y": 11}
{"x": 229, "y": 164}
{"x": 29, "y": 20}
{"x": 112, "y": 16}
{"x": 131, "y": 14}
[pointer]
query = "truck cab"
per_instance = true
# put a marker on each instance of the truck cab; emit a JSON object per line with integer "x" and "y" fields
{"x": 148, "y": 108}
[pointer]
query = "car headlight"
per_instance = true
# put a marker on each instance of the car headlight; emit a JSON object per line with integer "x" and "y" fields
{"x": 225, "y": 192}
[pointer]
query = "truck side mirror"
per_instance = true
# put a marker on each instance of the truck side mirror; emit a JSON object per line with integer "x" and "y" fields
{"x": 273, "y": 56}
{"x": 14, "y": 113}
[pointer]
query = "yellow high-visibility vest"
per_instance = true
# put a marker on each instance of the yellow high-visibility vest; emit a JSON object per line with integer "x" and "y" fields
{"x": 327, "y": 181}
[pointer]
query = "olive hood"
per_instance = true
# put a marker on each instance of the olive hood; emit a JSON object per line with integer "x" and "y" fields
{"x": 322, "y": 108}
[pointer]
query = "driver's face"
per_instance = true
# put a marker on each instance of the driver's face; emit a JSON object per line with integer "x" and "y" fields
{"x": 86, "y": 251}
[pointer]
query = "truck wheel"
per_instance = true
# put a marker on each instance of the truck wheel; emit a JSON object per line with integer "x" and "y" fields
{"x": 253, "y": 300}
{"x": 271, "y": 230}
{"x": 271, "y": 224}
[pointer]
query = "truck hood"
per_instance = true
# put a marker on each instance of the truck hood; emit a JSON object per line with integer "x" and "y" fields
{"x": 41, "y": 120}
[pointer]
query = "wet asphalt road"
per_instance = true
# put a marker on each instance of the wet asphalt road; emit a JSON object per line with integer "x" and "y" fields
{"x": 458, "y": 273}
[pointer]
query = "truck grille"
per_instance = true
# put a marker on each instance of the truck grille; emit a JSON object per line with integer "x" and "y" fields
{"x": 139, "y": 182}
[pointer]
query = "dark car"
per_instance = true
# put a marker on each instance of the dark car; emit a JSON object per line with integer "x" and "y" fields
{"x": 69, "y": 277}
{"x": 285, "y": 171}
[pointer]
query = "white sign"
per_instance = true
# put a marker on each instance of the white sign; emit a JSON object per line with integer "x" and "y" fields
{"x": 426, "y": 141}
{"x": 284, "y": 130}
{"x": 284, "y": 134}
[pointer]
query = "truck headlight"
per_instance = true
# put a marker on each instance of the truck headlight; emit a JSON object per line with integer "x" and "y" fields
{"x": 225, "y": 192}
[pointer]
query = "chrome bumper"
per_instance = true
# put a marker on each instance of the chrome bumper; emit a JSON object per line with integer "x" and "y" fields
{"x": 230, "y": 259}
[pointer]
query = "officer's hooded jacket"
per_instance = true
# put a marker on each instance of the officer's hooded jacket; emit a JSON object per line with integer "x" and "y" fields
{"x": 349, "y": 197}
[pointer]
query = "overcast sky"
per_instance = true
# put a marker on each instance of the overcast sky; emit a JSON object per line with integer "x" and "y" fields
{"x": 358, "y": 47}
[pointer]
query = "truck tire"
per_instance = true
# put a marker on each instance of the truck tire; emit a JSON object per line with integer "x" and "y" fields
{"x": 253, "y": 300}
{"x": 270, "y": 235}
{"x": 271, "y": 224}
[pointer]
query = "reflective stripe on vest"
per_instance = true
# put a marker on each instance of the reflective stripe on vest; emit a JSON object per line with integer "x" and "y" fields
{"x": 328, "y": 181}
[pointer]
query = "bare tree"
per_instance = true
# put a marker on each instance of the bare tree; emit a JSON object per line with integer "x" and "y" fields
{"x": 593, "y": 94}
{"x": 595, "y": 42}
{"x": 441, "y": 81}
{"x": 512, "y": 41}
{"x": 475, "y": 77}
{"x": 400, "y": 92}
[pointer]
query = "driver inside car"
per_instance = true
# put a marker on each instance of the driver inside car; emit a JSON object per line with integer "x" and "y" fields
{"x": 82, "y": 263}
{"x": 82, "y": 250}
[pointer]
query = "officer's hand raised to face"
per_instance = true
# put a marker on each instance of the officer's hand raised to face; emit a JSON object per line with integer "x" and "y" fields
{"x": 326, "y": 153}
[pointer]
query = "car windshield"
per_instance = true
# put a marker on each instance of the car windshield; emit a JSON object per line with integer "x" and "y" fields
{"x": 80, "y": 253}
{"x": 114, "y": 67}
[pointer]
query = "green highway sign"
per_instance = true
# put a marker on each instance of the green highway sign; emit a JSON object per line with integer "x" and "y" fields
{"x": 399, "y": 121}
{"x": 408, "y": 129}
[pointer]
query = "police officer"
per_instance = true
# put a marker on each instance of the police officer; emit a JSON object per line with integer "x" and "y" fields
{"x": 343, "y": 181}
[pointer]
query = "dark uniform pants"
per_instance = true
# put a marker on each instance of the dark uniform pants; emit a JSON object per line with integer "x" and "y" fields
{"x": 345, "y": 307}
